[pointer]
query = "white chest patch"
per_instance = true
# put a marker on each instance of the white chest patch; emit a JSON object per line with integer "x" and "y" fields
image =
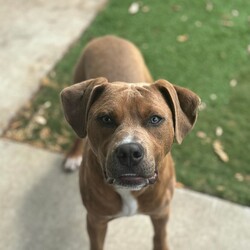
{"x": 129, "y": 203}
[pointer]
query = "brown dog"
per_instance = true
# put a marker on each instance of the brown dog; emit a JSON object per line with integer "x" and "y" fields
{"x": 129, "y": 125}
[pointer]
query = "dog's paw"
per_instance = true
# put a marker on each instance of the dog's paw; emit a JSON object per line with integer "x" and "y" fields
{"x": 72, "y": 163}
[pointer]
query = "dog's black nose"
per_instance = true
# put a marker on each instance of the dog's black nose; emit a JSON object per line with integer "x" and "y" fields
{"x": 130, "y": 154}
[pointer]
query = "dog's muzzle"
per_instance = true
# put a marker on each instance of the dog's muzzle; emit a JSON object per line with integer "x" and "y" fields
{"x": 129, "y": 170}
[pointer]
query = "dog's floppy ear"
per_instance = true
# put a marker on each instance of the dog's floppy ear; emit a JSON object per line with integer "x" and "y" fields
{"x": 183, "y": 104}
{"x": 77, "y": 100}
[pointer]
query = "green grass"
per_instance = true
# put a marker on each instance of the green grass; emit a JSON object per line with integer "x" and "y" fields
{"x": 214, "y": 53}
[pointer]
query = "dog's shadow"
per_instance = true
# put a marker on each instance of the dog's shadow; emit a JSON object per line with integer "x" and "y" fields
{"x": 51, "y": 216}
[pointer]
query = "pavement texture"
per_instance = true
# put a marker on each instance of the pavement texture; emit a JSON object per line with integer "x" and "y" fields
{"x": 34, "y": 35}
{"x": 40, "y": 205}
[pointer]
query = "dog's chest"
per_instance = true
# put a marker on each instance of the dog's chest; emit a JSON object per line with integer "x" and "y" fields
{"x": 129, "y": 203}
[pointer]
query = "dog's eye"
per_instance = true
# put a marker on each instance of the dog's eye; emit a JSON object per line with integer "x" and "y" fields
{"x": 107, "y": 120}
{"x": 155, "y": 120}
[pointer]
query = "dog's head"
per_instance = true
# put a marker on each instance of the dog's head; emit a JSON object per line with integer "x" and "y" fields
{"x": 130, "y": 127}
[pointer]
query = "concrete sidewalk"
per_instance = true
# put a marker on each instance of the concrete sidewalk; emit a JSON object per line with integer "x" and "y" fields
{"x": 40, "y": 205}
{"x": 41, "y": 209}
{"x": 34, "y": 35}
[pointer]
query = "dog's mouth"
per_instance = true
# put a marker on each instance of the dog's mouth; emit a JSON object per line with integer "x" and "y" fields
{"x": 132, "y": 181}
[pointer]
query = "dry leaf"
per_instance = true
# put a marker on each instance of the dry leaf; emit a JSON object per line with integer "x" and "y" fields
{"x": 18, "y": 135}
{"x": 235, "y": 13}
{"x": 45, "y": 133}
{"x": 218, "y": 149}
{"x": 184, "y": 18}
{"x": 56, "y": 148}
{"x": 176, "y": 7}
{"x": 134, "y": 8}
{"x": 15, "y": 124}
{"x": 145, "y": 9}
{"x": 182, "y": 38}
{"x": 62, "y": 140}
{"x": 201, "y": 134}
{"x": 233, "y": 83}
{"x": 219, "y": 131}
{"x": 220, "y": 188}
{"x": 38, "y": 144}
{"x": 227, "y": 23}
{"x": 239, "y": 177}
{"x": 47, "y": 104}
{"x": 198, "y": 24}
{"x": 40, "y": 120}
{"x": 209, "y": 6}
{"x": 248, "y": 48}
{"x": 213, "y": 97}
{"x": 45, "y": 81}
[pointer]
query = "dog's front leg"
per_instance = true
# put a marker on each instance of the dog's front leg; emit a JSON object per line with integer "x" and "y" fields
{"x": 160, "y": 231}
{"x": 97, "y": 228}
{"x": 74, "y": 157}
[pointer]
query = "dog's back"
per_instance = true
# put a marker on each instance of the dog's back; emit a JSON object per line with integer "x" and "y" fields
{"x": 114, "y": 58}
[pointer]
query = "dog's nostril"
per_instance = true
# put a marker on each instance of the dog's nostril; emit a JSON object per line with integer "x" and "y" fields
{"x": 137, "y": 155}
{"x": 129, "y": 154}
{"x": 121, "y": 155}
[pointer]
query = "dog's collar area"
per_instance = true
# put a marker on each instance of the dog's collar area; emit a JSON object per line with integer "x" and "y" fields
{"x": 131, "y": 181}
